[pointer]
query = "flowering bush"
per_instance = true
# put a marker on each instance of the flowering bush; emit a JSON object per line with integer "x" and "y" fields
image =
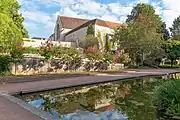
{"x": 99, "y": 60}
{"x": 121, "y": 57}
{"x": 46, "y": 51}
{"x": 92, "y": 53}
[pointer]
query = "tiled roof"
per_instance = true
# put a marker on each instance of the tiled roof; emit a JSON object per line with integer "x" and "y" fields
{"x": 107, "y": 24}
{"x": 71, "y": 23}
{"x": 82, "y": 26}
{"x": 97, "y": 22}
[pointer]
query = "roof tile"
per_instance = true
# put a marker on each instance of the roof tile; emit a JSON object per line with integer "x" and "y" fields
{"x": 71, "y": 23}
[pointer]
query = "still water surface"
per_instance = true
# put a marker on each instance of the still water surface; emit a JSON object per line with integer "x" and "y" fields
{"x": 124, "y": 100}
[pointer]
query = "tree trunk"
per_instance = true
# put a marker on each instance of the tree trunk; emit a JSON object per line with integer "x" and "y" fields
{"x": 172, "y": 62}
{"x": 15, "y": 69}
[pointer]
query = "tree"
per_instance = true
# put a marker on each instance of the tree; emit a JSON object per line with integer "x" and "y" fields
{"x": 11, "y": 8}
{"x": 148, "y": 10}
{"x": 172, "y": 49}
{"x": 90, "y": 30}
{"x": 175, "y": 29}
{"x": 100, "y": 40}
{"x": 9, "y": 33}
{"x": 12, "y": 29}
{"x": 104, "y": 43}
{"x": 89, "y": 41}
{"x": 164, "y": 31}
{"x": 138, "y": 38}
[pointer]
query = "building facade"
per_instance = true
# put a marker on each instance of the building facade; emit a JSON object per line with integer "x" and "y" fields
{"x": 72, "y": 29}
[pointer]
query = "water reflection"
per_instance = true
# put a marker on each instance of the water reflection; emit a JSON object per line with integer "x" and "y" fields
{"x": 112, "y": 101}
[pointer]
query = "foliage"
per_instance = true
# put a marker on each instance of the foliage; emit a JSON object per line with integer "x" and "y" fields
{"x": 175, "y": 29}
{"x": 166, "y": 97}
{"x": 17, "y": 50}
{"x": 107, "y": 45}
{"x": 98, "y": 60}
{"x": 138, "y": 39}
{"x": 9, "y": 33}
{"x": 5, "y": 62}
{"x": 31, "y": 50}
{"x": 11, "y": 9}
{"x": 92, "y": 53}
{"x": 104, "y": 44}
{"x": 148, "y": 10}
{"x": 155, "y": 58}
{"x": 145, "y": 10}
{"x": 172, "y": 49}
{"x": 108, "y": 58}
{"x": 89, "y": 41}
{"x": 164, "y": 31}
{"x": 100, "y": 40}
{"x": 47, "y": 51}
{"x": 90, "y": 30}
{"x": 12, "y": 29}
{"x": 68, "y": 54}
{"x": 121, "y": 57}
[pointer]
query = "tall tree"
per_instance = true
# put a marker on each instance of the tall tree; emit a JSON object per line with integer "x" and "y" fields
{"x": 140, "y": 37}
{"x": 149, "y": 11}
{"x": 11, "y": 8}
{"x": 175, "y": 29}
{"x": 12, "y": 29}
{"x": 164, "y": 31}
{"x": 9, "y": 33}
{"x": 90, "y": 30}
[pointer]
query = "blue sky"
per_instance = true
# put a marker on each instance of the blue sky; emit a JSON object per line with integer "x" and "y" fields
{"x": 40, "y": 15}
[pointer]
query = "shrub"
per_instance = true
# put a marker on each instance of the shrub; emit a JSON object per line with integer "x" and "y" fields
{"x": 67, "y": 53}
{"x": 5, "y": 62}
{"x": 46, "y": 51}
{"x": 89, "y": 41}
{"x": 31, "y": 50}
{"x": 121, "y": 57}
{"x": 70, "y": 56}
{"x": 92, "y": 53}
{"x": 107, "y": 58}
{"x": 167, "y": 98}
{"x": 17, "y": 50}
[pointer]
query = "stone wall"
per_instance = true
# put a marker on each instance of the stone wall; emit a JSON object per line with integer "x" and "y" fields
{"x": 39, "y": 66}
{"x": 38, "y": 43}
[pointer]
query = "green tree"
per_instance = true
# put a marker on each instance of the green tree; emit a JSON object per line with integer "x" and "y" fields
{"x": 9, "y": 33}
{"x": 172, "y": 48}
{"x": 149, "y": 11}
{"x": 164, "y": 31}
{"x": 12, "y": 29}
{"x": 90, "y": 30}
{"x": 89, "y": 41}
{"x": 11, "y": 8}
{"x": 100, "y": 40}
{"x": 175, "y": 29}
{"x": 138, "y": 38}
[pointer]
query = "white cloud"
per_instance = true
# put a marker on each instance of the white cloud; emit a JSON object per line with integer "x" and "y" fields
{"x": 144, "y": 1}
{"x": 36, "y": 16}
{"x": 90, "y": 9}
{"x": 112, "y": 18}
{"x": 31, "y": 26}
{"x": 171, "y": 11}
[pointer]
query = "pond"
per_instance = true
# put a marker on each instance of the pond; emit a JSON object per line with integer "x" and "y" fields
{"x": 123, "y": 100}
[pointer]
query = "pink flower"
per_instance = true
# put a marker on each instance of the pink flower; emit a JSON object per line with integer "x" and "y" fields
{"x": 122, "y": 51}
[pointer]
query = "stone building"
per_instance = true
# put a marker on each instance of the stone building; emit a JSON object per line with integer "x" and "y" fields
{"x": 70, "y": 29}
